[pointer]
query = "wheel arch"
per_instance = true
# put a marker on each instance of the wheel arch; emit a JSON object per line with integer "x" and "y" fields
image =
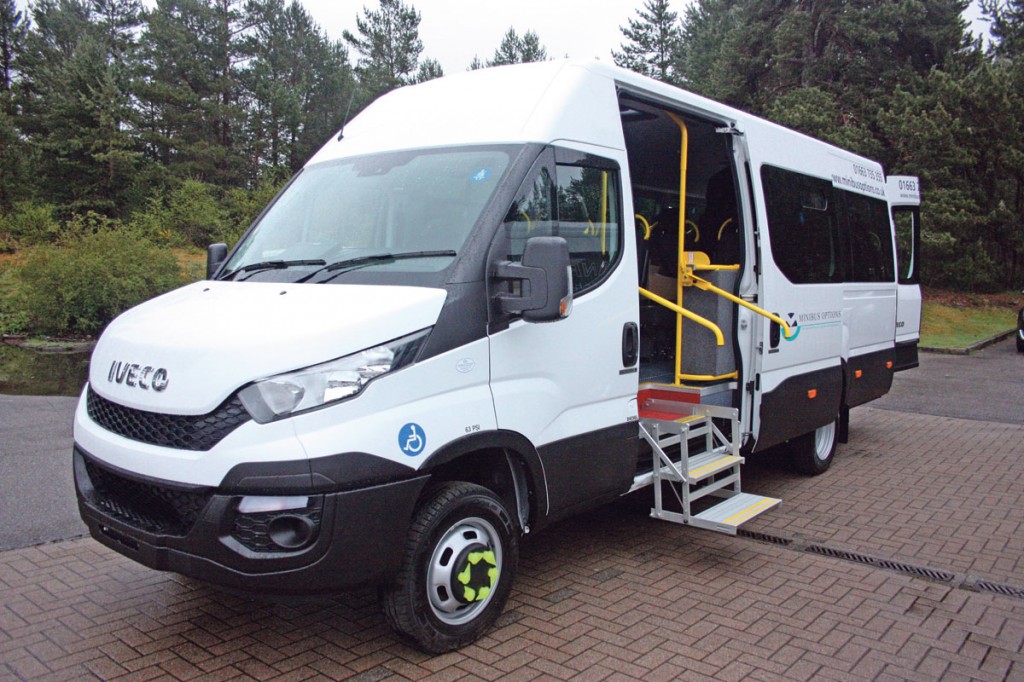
{"x": 504, "y": 462}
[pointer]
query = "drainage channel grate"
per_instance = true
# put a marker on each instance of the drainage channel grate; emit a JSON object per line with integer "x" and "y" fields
{"x": 909, "y": 569}
{"x": 998, "y": 588}
{"x": 764, "y": 537}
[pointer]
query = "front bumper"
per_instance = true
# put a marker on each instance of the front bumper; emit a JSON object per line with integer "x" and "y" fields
{"x": 352, "y": 537}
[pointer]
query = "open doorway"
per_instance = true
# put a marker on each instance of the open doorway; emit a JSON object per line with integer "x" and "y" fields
{"x": 704, "y": 205}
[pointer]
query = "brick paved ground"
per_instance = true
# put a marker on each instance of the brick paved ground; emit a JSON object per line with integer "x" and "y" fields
{"x": 612, "y": 595}
{"x": 934, "y": 491}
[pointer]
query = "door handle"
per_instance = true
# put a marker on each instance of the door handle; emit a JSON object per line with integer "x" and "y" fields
{"x": 630, "y": 344}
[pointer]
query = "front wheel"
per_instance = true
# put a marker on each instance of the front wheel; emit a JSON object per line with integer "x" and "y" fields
{"x": 457, "y": 569}
{"x": 812, "y": 453}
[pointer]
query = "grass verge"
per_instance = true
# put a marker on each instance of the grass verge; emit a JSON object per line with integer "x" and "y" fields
{"x": 954, "y": 320}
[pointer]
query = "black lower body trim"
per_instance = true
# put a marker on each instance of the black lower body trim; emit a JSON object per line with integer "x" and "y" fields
{"x": 589, "y": 469}
{"x": 868, "y": 376}
{"x": 905, "y": 356}
{"x": 337, "y": 541}
{"x": 799, "y": 405}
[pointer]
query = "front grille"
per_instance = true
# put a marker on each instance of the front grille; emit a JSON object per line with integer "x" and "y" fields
{"x": 185, "y": 432}
{"x": 147, "y": 506}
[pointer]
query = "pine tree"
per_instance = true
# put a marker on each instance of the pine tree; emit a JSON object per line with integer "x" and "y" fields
{"x": 190, "y": 95}
{"x": 429, "y": 70}
{"x": 1007, "y": 26}
{"x": 654, "y": 42}
{"x": 76, "y": 102}
{"x": 297, "y": 83}
{"x": 518, "y": 50}
{"x": 389, "y": 47}
{"x": 13, "y": 34}
{"x": 14, "y": 28}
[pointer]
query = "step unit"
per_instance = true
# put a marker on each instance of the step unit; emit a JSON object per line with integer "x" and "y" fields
{"x": 696, "y": 458}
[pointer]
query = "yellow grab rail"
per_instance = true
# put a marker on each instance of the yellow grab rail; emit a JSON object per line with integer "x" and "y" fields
{"x": 704, "y": 285}
{"x": 709, "y": 377}
{"x": 684, "y": 153}
{"x": 679, "y": 310}
{"x": 647, "y": 226}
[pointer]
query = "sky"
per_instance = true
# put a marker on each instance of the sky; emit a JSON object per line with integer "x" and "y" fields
{"x": 454, "y": 31}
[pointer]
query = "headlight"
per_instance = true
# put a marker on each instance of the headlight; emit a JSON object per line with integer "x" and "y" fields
{"x": 319, "y": 385}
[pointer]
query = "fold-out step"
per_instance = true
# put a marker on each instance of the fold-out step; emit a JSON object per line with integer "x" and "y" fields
{"x": 728, "y": 515}
{"x": 710, "y": 463}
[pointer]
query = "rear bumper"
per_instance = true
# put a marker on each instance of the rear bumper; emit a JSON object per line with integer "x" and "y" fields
{"x": 347, "y": 538}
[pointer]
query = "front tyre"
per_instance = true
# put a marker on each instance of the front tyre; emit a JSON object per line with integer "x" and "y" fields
{"x": 812, "y": 453}
{"x": 457, "y": 569}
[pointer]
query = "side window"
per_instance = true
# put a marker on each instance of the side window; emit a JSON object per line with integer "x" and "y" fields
{"x": 579, "y": 203}
{"x": 532, "y": 214}
{"x": 802, "y": 226}
{"x": 870, "y": 238}
{"x": 908, "y": 225}
{"x": 588, "y": 219}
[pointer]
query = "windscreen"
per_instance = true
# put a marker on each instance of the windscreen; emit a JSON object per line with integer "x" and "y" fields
{"x": 401, "y": 212}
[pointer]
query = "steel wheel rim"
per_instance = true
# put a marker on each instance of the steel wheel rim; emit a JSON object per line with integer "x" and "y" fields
{"x": 461, "y": 535}
{"x": 824, "y": 440}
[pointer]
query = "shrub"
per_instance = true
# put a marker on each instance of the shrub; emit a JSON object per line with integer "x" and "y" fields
{"x": 31, "y": 223}
{"x": 78, "y": 287}
{"x": 189, "y": 214}
{"x": 198, "y": 214}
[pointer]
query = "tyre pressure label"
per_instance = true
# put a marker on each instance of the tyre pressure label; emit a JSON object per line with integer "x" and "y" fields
{"x": 412, "y": 439}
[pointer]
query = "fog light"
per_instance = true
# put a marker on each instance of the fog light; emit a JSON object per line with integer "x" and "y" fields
{"x": 277, "y": 523}
{"x": 290, "y": 531}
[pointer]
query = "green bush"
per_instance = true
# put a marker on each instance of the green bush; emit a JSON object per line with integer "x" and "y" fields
{"x": 13, "y": 319}
{"x": 199, "y": 214}
{"x": 76, "y": 288}
{"x": 30, "y": 223}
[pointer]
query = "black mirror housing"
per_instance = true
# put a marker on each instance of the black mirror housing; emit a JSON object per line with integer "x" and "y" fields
{"x": 545, "y": 278}
{"x": 216, "y": 254}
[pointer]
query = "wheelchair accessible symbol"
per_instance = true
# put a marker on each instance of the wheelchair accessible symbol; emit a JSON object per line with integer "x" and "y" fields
{"x": 412, "y": 439}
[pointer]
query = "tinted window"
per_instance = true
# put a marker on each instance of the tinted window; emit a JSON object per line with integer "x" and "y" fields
{"x": 802, "y": 226}
{"x": 869, "y": 237}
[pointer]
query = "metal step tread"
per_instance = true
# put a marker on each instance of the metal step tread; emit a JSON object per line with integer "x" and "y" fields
{"x": 737, "y": 509}
{"x": 710, "y": 463}
{"x": 674, "y": 417}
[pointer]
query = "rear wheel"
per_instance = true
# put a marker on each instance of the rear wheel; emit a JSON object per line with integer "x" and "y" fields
{"x": 1020, "y": 331}
{"x": 812, "y": 453}
{"x": 457, "y": 569}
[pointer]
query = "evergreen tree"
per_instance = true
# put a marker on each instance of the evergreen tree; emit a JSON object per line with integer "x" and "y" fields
{"x": 297, "y": 82}
{"x": 388, "y": 45}
{"x": 76, "y": 101}
{"x": 654, "y": 42}
{"x": 429, "y": 70}
{"x": 14, "y": 28}
{"x": 192, "y": 114}
{"x": 1007, "y": 26}
{"x": 518, "y": 50}
{"x": 13, "y": 34}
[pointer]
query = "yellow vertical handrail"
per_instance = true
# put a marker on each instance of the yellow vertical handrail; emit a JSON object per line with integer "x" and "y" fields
{"x": 604, "y": 213}
{"x": 684, "y": 152}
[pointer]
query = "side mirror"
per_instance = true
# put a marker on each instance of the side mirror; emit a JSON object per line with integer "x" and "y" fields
{"x": 544, "y": 293}
{"x": 216, "y": 254}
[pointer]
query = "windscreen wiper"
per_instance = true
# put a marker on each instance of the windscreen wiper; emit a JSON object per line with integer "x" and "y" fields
{"x": 270, "y": 265}
{"x": 342, "y": 266}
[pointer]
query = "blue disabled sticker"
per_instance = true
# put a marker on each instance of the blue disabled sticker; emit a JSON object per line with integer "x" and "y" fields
{"x": 481, "y": 175}
{"x": 412, "y": 439}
